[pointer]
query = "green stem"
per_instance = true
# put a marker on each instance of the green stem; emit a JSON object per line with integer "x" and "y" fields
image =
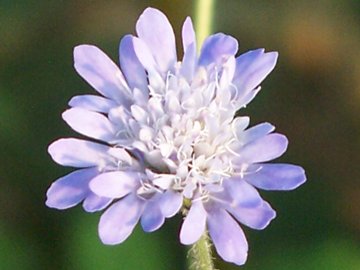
{"x": 204, "y": 10}
{"x": 199, "y": 255}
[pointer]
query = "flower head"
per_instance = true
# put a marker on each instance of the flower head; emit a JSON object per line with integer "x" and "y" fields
{"x": 165, "y": 133}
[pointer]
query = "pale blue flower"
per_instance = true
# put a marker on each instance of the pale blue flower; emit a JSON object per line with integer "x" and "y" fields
{"x": 164, "y": 131}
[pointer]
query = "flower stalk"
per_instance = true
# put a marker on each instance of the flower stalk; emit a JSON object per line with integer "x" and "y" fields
{"x": 199, "y": 255}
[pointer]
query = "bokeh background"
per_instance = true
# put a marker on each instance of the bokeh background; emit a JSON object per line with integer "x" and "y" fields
{"x": 312, "y": 96}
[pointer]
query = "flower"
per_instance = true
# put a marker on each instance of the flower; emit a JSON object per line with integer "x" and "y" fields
{"x": 166, "y": 133}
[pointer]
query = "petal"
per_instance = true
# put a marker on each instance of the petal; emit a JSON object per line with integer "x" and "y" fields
{"x": 217, "y": 49}
{"x": 71, "y": 189}
{"x": 254, "y": 217}
{"x": 239, "y": 124}
{"x": 228, "y": 237}
{"x": 77, "y": 153}
{"x": 171, "y": 203}
{"x": 241, "y": 193}
{"x": 133, "y": 70}
{"x": 188, "y": 64}
{"x": 101, "y": 73}
{"x": 188, "y": 34}
{"x": 194, "y": 224}
{"x": 91, "y": 124}
{"x": 119, "y": 220}
{"x": 152, "y": 217}
{"x": 276, "y": 176}
{"x": 145, "y": 57}
{"x": 92, "y": 103}
{"x": 114, "y": 184}
{"x": 155, "y": 30}
{"x": 93, "y": 203}
{"x": 252, "y": 68}
{"x": 255, "y": 132}
{"x": 263, "y": 149}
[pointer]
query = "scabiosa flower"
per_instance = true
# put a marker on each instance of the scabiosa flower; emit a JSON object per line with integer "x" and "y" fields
{"x": 166, "y": 138}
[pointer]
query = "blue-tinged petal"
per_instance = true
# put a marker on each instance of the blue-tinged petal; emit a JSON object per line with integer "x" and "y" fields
{"x": 264, "y": 149}
{"x": 91, "y": 124}
{"x": 71, "y": 189}
{"x": 93, "y": 103}
{"x": 194, "y": 224}
{"x": 241, "y": 192}
{"x": 227, "y": 236}
{"x": 152, "y": 217}
{"x": 77, "y": 153}
{"x": 133, "y": 70}
{"x": 155, "y": 30}
{"x": 276, "y": 176}
{"x": 254, "y": 217}
{"x": 119, "y": 220}
{"x": 252, "y": 68}
{"x": 101, "y": 73}
{"x": 239, "y": 124}
{"x": 245, "y": 98}
{"x": 94, "y": 203}
{"x": 147, "y": 60}
{"x": 115, "y": 184}
{"x": 255, "y": 132}
{"x": 188, "y": 64}
{"x": 171, "y": 203}
{"x": 217, "y": 49}
{"x": 188, "y": 35}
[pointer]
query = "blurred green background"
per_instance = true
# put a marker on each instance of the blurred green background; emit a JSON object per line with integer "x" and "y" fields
{"x": 312, "y": 96}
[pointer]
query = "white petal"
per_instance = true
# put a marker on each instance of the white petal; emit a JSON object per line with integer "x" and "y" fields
{"x": 114, "y": 184}
{"x": 91, "y": 124}
{"x": 155, "y": 30}
{"x": 77, "y": 153}
{"x": 93, "y": 103}
{"x": 194, "y": 224}
{"x": 119, "y": 220}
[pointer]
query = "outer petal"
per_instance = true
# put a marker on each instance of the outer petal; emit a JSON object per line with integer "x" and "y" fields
{"x": 170, "y": 203}
{"x": 188, "y": 64}
{"x": 114, "y": 184}
{"x": 228, "y": 237}
{"x": 119, "y": 220}
{"x": 147, "y": 60}
{"x": 263, "y": 149}
{"x": 217, "y": 48}
{"x": 255, "y": 217}
{"x": 131, "y": 66}
{"x": 101, "y": 73}
{"x": 93, "y": 103}
{"x": 242, "y": 193}
{"x": 194, "y": 224}
{"x": 239, "y": 124}
{"x": 276, "y": 176}
{"x": 152, "y": 217}
{"x": 77, "y": 153}
{"x": 71, "y": 189}
{"x": 254, "y": 133}
{"x": 91, "y": 124}
{"x": 188, "y": 35}
{"x": 252, "y": 68}
{"x": 93, "y": 203}
{"x": 155, "y": 30}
